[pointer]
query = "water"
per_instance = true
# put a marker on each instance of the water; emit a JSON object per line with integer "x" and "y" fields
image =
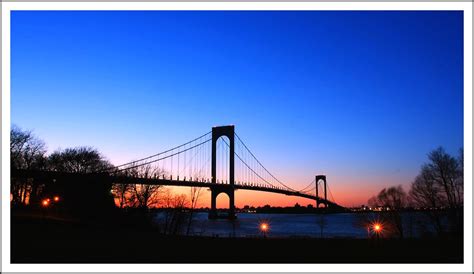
{"x": 341, "y": 225}
{"x": 282, "y": 225}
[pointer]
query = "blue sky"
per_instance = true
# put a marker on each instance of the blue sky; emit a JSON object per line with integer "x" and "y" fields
{"x": 359, "y": 96}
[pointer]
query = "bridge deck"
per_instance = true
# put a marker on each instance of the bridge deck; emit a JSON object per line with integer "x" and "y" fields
{"x": 52, "y": 175}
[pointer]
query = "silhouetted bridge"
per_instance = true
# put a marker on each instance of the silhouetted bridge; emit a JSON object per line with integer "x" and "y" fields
{"x": 188, "y": 165}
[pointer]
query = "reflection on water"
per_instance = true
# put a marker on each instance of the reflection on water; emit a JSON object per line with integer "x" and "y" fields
{"x": 346, "y": 225}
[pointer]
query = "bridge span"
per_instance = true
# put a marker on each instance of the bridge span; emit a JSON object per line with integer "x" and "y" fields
{"x": 225, "y": 175}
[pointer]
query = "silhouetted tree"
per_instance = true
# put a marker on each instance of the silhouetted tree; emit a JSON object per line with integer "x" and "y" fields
{"x": 427, "y": 194}
{"x": 142, "y": 195}
{"x": 78, "y": 195}
{"x": 445, "y": 170}
{"x": 145, "y": 196}
{"x": 373, "y": 202}
{"x": 122, "y": 192}
{"x": 174, "y": 212}
{"x": 194, "y": 196}
{"x": 78, "y": 160}
{"x": 84, "y": 197}
{"x": 393, "y": 200}
{"x": 27, "y": 152}
{"x": 440, "y": 185}
{"x": 179, "y": 216}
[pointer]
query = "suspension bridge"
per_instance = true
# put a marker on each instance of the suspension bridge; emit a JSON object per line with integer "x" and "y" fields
{"x": 218, "y": 160}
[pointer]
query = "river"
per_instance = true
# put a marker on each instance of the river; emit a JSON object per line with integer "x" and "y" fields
{"x": 340, "y": 225}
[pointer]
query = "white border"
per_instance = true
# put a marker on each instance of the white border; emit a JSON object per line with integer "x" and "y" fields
{"x": 9, "y": 6}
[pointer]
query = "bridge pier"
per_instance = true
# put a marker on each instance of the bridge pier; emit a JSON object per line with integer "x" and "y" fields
{"x": 317, "y": 179}
{"x": 216, "y": 189}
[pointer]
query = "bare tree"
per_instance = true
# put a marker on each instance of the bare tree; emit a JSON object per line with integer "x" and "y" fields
{"x": 175, "y": 216}
{"x": 393, "y": 197}
{"x": 459, "y": 181}
{"x": 179, "y": 216}
{"x": 426, "y": 194}
{"x": 143, "y": 195}
{"x": 122, "y": 192}
{"x": 27, "y": 152}
{"x": 167, "y": 202}
{"x": 440, "y": 185}
{"x": 78, "y": 160}
{"x": 195, "y": 195}
{"x": 445, "y": 170}
{"x": 393, "y": 200}
{"x": 373, "y": 201}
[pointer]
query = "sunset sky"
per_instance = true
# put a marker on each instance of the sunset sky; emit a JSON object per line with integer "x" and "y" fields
{"x": 359, "y": 96}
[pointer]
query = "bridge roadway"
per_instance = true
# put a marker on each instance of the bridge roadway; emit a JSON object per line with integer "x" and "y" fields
{"x": 49, "y": 176}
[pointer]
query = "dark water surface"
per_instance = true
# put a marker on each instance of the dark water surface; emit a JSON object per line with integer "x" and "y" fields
{"x": 340, "y": 225}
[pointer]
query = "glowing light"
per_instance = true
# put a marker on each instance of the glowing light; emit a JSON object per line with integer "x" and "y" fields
{"x": 264, "y": 227}
{"x": 45, "y": 202}
{"x": 56, "y": 198}
{"x": 377, "y": 227}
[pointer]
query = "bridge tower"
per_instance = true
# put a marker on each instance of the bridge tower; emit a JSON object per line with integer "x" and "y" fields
{"x": 217, "y": 189}
{"x": 321, "y": 178}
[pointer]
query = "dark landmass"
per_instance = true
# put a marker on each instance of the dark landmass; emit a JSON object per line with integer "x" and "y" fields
{"x": 269, "y": 209}
{"x": 37, "y": 239}
{"x": 296, "y": 209}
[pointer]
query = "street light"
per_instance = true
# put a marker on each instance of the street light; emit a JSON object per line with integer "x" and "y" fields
{"x": 376, "y": 228}
{"x": 45, "y": 203}
{"x": 264, "y": 228}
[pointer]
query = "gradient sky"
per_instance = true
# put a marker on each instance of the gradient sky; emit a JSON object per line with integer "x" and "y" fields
{"x": 359, "y": 96}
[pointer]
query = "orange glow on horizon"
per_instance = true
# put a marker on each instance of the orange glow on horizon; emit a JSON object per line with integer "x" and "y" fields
{"x": 352, "y": 194}
{"x": 260, "y": 199}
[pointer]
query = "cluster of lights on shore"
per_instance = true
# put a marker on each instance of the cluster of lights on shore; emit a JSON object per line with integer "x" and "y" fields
{"x": 46, "y": 202}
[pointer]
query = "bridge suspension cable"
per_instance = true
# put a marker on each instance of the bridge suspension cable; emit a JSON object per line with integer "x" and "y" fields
{"x": 154, "y": 155}
{"x": 330, "y": 193}
{"x": 309, "y": 191}
{"x": 189, "y": 159}
{"x": 186, "y": 159}
{"x": 261, "y": 166}
{"x": 163, "y": 158}
{"x": 310, "y": 184}
{"x": 250, "y": 168}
